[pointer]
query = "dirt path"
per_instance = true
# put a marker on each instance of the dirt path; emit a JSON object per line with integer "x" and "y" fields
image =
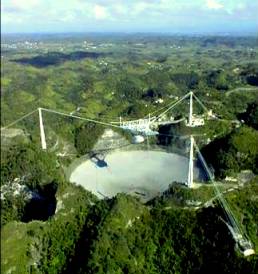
{"x": 242, "y": 89}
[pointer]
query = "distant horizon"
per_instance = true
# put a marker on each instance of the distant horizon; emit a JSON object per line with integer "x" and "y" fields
{"x": 129, "y": 16}
{"x": 219, "y": 33}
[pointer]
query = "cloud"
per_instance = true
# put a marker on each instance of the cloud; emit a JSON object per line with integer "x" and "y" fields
{"x": 140, "y": 15}
{"x": 120, "y": 9}
{"x": 140, "y": 7}
{"x": 214, "y": 5}
{"x": 101, "y": 12}
{"x": 19, "y": 5}
{"x": 68, "y": 17}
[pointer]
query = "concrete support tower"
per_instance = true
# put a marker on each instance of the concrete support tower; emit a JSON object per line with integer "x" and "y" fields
{"x": 42, "y": 132}
{"x": 191, "y": 165}
{"x": 190, "y": 119}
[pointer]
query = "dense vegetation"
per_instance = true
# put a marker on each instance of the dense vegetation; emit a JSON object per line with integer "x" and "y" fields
{"x": 49, "y": 225}
{"x": 38, "y": 173}
{"x": 86, "y": 136}
{"x": 250, "y": 116}
{"x": 234, "y": 152}
{"x": 135, "y": 239}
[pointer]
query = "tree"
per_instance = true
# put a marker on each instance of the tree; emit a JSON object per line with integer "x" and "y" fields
{"x": 234, "y": 152}
{"x": 86, "y": 136}
{"x": 127, "y": 88}
{"x": 187, "y": 80}
{"x": 217, "y": 79}
{"x": 250, "y": 116}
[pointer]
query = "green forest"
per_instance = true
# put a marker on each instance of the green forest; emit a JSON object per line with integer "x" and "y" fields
{"x": 50, "y": 225}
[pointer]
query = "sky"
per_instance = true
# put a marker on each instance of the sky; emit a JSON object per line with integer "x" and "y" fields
{"x": 165, "y": 16}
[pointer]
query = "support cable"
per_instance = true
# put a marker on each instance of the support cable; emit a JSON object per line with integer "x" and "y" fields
{"x": 18, "y": 120}
{"x": 160, "y": 109}
{"x": 78, "y": 117}
{"x": 200, "y": 102}
{"x": 222, "y": 200}
{"x": 171, "y": 107}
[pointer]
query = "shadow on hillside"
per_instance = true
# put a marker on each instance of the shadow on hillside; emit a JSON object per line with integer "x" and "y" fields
{"x": 57, "y": 58}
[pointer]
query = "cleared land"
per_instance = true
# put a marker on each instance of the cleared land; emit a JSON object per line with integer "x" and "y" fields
{"x": 141, "y": 173}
